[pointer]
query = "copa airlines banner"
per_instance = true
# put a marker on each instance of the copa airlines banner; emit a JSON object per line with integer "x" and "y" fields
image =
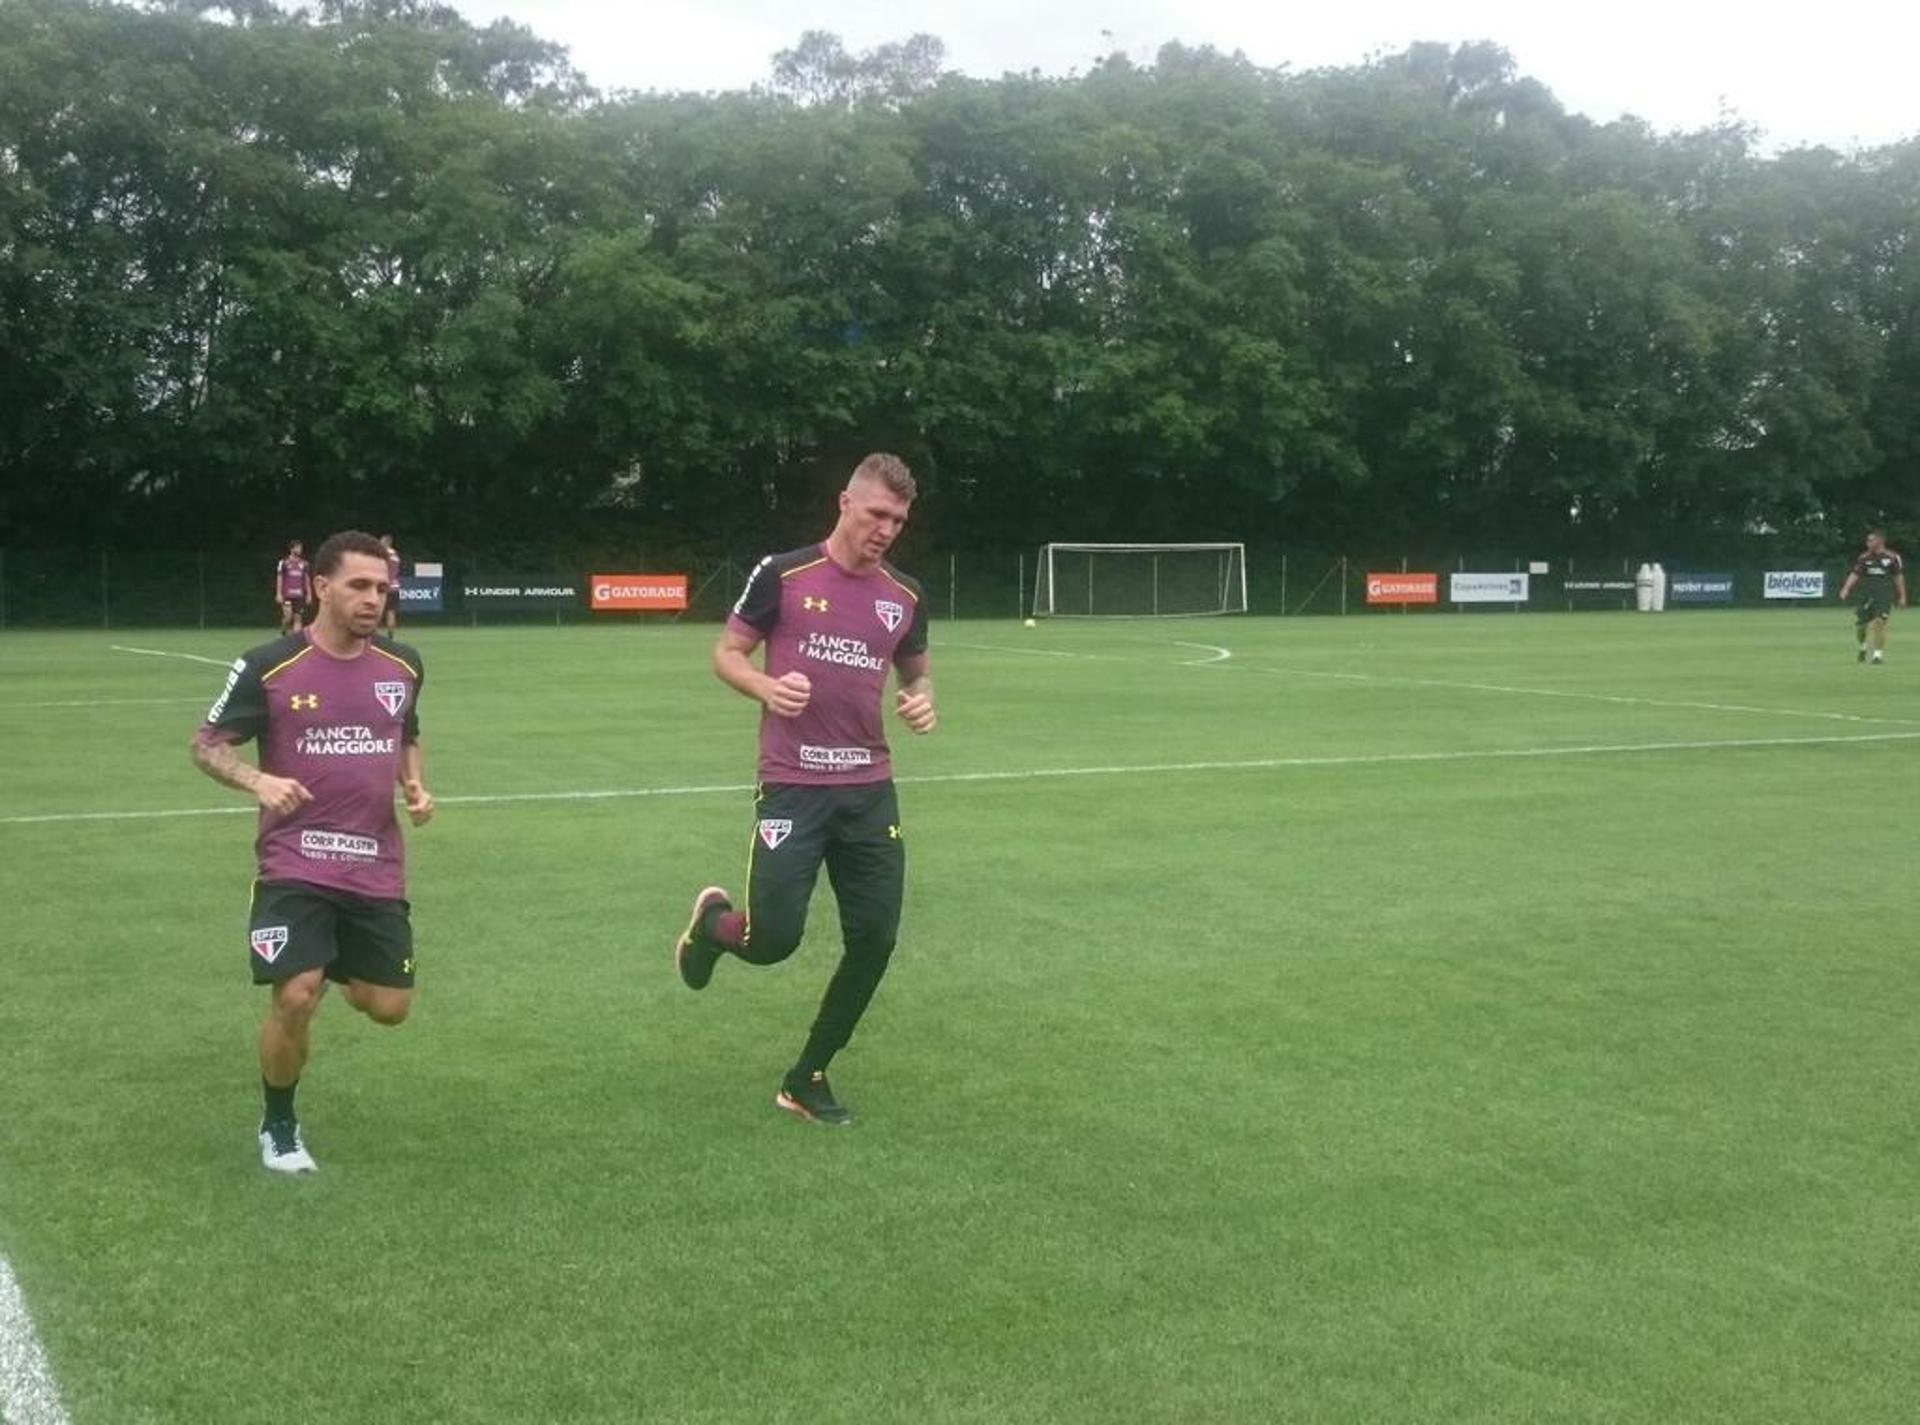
{"x": 1487, "y": 588}
{"x": 1403, "y": 588}
{"x": 1795, "y": 584}
{"x": 663, "y": 592}
{"x": 424, "y": 592}
{"x": 1700, "y": 588}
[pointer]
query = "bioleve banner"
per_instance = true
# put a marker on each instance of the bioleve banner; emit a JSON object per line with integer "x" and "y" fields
{"x": 1487, "y": 588}
{"x": 1403, "y": 588}
{"x": 1795, "y": 584}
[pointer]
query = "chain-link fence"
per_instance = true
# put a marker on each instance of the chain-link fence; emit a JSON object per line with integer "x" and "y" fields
{"x": 223, "y": 589}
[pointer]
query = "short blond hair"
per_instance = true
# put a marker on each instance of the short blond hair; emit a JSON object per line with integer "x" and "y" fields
{"x": 889, "y": 470}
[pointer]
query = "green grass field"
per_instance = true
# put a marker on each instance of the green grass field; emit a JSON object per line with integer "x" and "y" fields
{"x": 1479, "y": 1018}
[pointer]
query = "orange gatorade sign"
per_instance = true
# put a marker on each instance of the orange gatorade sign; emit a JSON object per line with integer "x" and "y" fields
{"x": 640, "y": 591}
{"x": 1403, "y": 588}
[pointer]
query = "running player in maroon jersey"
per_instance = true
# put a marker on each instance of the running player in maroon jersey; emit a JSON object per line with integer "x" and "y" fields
{"x": 1881, "y": 576}
{"x": 290, "y": 587}
{"x": 337, "y": 717}
{"x": 834, "y": 619}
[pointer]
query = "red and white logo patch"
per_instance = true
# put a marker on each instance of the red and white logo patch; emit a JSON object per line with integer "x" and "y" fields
{"x": 774, "y": 832}
{"x": 269, "y": 941}
{"x": 891, "y": 614}
{"x": 393, "y": 696}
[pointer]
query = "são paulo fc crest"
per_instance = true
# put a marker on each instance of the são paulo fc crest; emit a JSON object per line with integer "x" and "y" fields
{"x": 393, "y": 696}
{"x": 891, "y": 614}
{"x": 774, "y": 832}
{"x": 269, "y": 941}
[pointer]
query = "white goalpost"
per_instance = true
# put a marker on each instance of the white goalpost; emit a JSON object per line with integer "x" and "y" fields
{"x": 1140, "y": 580}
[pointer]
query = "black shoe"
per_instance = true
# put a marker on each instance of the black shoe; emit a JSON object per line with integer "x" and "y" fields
{"x": 693, "y": 954}
{"x": 1863, "y": 656}
{"x": 812, "y": 1098}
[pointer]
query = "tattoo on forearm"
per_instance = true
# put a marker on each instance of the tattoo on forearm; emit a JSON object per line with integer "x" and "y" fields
{"x": 222, "y": 762}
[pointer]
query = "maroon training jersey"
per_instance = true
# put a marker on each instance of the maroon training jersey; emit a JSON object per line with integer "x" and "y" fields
{"x": 844, "y": 631}
{"x": 336, "y": 726}
{"x": 1876, "y": 573}
{"x": 292, "y": 574}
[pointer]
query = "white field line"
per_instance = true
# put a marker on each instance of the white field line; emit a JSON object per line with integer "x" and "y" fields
{"x": 1619, "y": 699}
{"x": 163, "y": 653}
{"x": 99, "y": 703}
{"x": 1044, "y": 774}
{"x": 1029, "y": 652}
{"x": 27, "y": 1392}
{"x": 1395, "y": 679}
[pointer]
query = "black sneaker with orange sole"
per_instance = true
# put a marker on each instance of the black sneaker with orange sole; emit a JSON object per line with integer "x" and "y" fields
{"x": 693, "y": 954}
{"x": 812, "y": 1098}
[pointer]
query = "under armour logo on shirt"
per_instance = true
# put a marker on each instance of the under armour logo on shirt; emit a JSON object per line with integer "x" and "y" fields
{"x": 811, "y": 603}
{"x": 308, "y": 701}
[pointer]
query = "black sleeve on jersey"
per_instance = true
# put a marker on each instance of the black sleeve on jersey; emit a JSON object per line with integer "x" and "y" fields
{"x": 759, "y": 603}
{"x": 915, "y": 643}
{"x": 240, "y": 712}
{"x": 1860, "y": 567}
{"x": 407, "y": 653}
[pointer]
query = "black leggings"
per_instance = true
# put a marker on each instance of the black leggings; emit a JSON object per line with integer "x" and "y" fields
{"x": 856, "y": 832}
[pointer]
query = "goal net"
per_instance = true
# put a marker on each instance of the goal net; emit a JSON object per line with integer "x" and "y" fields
{"x": 1140, "y": 580}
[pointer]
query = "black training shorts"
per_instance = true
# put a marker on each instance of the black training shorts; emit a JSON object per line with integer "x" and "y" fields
{"x": 296, "y": 927}
{"x": 1871, "y": 609}
{"x": 855, "y": 832}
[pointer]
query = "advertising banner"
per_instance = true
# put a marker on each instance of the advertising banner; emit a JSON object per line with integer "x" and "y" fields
{"x": 1700, "y": 588}
{"x": 1487, "y": 588}
{"x": 1598, "y": 586}
{"x": 1795, "y": 584}
{"x": 424, "y": 592}
{"x": 555, "y": 593}
{"x": 626, "y": 592}
{"x": 1590, "y": 591}
{"x": 1403, "y": 588}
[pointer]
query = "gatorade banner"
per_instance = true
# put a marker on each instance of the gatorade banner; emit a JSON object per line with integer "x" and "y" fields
{"x": 1403, "y": 588}
{"x": 628, "y": 592}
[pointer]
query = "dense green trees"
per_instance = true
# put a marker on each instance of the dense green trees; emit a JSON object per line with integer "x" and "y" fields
{"x": 370, "y": 262}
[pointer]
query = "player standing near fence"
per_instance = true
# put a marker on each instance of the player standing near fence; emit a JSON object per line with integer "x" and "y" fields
{"x": 290, "y": 590}
{"x": 391, "y": 617}
{"x": 1881, "y": 576}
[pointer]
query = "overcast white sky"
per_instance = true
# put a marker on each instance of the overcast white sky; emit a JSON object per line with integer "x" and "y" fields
{"x": 1838, "y": 71}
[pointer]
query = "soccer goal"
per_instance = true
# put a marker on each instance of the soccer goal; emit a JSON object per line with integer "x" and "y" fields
{"x": 1140, "y": 580}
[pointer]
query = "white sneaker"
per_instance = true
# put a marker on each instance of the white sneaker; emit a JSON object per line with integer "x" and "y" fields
{"x": 1878, "y": 658}
{"x": 286, "y": 1157}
